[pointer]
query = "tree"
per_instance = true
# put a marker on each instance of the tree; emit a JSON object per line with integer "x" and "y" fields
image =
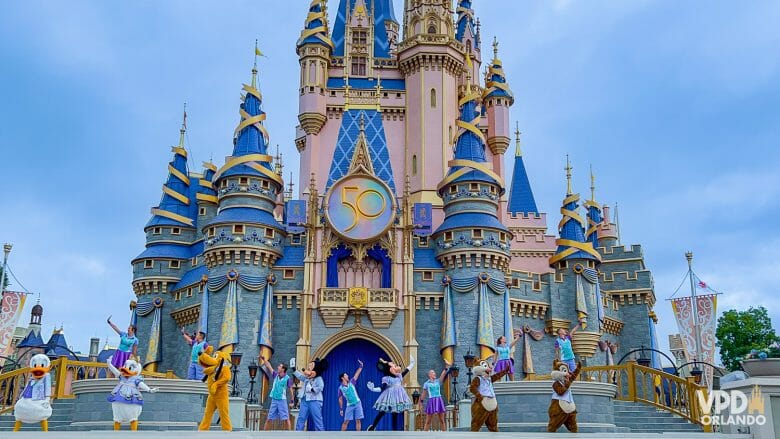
{"x": 739, "y": 332}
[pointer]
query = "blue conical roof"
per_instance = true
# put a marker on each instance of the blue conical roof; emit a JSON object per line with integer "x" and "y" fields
{"x": 175, "y": 208}
{"x": 315, "y": 31}
{"x": 571, "y": 229}
{"x": 465, "y": 20}
{"x": 521, "y": 197}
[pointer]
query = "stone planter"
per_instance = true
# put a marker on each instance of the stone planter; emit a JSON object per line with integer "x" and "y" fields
{"x": 762, "y": 368}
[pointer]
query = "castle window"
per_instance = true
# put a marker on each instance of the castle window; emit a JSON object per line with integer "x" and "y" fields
{"x": 238, "y": 229}
{"x": 360, "y": 37}
{"x": 265, "y": 184}
{"x": 189, "y": 292}
{"x": 174, "y": 264}
{"x": 223, "y": 183}
{"x": 453, "y": 189}
{"x": 476, "y": 233}
{"x": 604, "y": 301}
{"x": 148, "y": 263}
{"x": 177, "y": 296}
{"x": 537, "y": 284}
{"x": 433, "y": 98}
{"x": 201, "y": 211}
{"x": 474, "y": 187}
{"x": 492, "y": 189}
{"x": 432, "y": 29}
{"x": 614, "y": 305}
{"x": 269, "y": 233}
{"x": 515, "y": 283}
{"x": 295, "y": 239}
{"x": 156, "y": 230}
{"x": 194, "y": 261}
{"x": 211, "y": 232}
{"x": 288, "y": 274}
{"x": 175, "y": 231}
{"x": 243, "y": 180}
{"x": 414, "y": 164}
{"x": 502, "y": 236}
{"x": 359, "y": 66}
{"x": 448, "y": 236}
{"x": 427, "y": 276}
{"x": 332, "y": 94}
{"x": 398, "y": 95}
{"x": 422, "y": 241}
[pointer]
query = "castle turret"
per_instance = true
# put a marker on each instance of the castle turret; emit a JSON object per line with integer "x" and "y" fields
{"x": 594, "y": 214}
{"x": 432, "y": 63}
{"x": 575, "y": 261}
{"x": 466, "y": 31}
{"x": 497, "y": 98}
{"x": 472, "y": 244}
{"x": 206, "y": 196}
{"x": 314, "y": 52}
{"x": 171, "y": 230}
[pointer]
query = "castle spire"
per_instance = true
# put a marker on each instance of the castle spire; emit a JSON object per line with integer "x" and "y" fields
{"x": 315, "y": 30}
{"x": 521, "y": 197}
{"x": 572, "y": 243}
{"x": 175, "y": 207}
{"x": 593, "y": 208}
{"x": 495, "y": 83}
{"x": 465, "y": 23}
{"x": 183, "y": 129}
{"x": 592, "y": 185}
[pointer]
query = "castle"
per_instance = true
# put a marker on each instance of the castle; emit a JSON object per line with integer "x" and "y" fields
{"x": 407, "y": 238}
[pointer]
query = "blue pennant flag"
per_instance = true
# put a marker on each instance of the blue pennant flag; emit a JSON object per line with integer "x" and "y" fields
{"x": 295, "y": 216}
{"x": 423, "y": 222}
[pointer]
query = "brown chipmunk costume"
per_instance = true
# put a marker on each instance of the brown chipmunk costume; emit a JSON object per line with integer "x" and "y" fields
{"x": 562, "y": 410}
{"x": 484, "y": 408}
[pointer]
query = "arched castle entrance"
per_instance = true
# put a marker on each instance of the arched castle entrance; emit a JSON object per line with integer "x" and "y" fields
{"x": 342, "y": 351}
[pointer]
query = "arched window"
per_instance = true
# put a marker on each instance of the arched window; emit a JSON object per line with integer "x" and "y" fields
{"x": 432, "y": 27}
{"x": 433, "y": 98}
{"x": 414, "y": 165}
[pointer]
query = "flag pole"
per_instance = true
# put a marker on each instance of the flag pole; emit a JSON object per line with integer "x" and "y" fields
{"x": 694, "y": 308}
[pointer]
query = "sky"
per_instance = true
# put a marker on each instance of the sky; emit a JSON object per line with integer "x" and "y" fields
{"x": 676, "y": 105}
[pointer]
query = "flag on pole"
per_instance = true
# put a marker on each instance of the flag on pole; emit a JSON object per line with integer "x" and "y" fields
{"x": 258, "y": 52}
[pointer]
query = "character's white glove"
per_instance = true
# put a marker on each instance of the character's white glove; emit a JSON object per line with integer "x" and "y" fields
{"x": 153, "y": 390}
{"x": 46, "y": 403}
{"x": 372, "y": 388}
{"x": 411, "y": 363}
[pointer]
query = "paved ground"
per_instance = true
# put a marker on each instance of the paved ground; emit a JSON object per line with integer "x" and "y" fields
{"x": 360, "y": 435}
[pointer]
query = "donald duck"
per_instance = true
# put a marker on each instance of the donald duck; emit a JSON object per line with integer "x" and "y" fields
{"x": 126, "y": 400}
{"x": 35, "y": 403}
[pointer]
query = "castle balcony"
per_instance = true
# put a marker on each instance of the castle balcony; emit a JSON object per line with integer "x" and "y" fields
{"x": 381, "y": 305}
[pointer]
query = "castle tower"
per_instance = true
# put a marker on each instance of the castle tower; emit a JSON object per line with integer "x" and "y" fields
{"x": 498, "y": 98}
{"x": 521, "y": 196}
{"x": 314, "y": 50}
{"x": 32, "y": 342}
{"x": 472, "y": 244}
{"x": 206, "y": 196}
{"x": 432, "y": 61}
{"x": 575, "y": 262}
{"x": 594, "y": 214}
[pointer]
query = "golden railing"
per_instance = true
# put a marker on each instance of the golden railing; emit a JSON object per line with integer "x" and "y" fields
{"x": 659, "y": 389}
{"x": 63, "y": 373}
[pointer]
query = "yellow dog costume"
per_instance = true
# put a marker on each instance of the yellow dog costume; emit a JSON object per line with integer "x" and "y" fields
{"x": 216, "y": 370}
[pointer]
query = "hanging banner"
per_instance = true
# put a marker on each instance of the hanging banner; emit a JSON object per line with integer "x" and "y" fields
{"x": 706, "y": 309}
{"x": 295, "y": 216}
{"x": 422, "y": 219}
{"x": 11, "y": 306}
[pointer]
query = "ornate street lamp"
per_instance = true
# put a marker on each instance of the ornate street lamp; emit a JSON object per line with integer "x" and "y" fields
{"x": 696, "y": 373}
{"x": 643, "y": 360}
{"x": 454, "y": 372}
{"x": 416, "y": 397}
{"x": 250, "y": 398}
{"x": 235, "y": 360}
{"x": 469, "y": 359}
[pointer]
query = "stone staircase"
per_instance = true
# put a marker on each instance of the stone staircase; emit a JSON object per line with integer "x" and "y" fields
{"x": 643, "y": 418}
{"x": 62, "y": 409}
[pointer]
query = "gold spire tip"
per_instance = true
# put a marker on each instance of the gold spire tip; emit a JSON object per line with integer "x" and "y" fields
{"x": 518, "y": 152}
{"x": 568, "y": 176}
{"x": 495, "y": 48}
{"x": 592, "y": 184}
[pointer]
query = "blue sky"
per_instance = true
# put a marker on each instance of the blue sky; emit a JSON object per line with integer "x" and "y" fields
{"x": 675, "y": 104}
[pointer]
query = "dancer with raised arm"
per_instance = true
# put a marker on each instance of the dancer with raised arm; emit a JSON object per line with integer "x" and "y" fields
{"x": 128, "y": 345}
{"x": 432, "y": 395}
{"x": 393, "y": 398}
{"x": 348, "y": 391}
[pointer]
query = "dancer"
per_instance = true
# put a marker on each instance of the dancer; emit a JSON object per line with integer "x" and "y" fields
{"x": 435, "y": 403}
{"x": 503, "y": 357}
{"x": 126, "y": 400}
{"x": 128, "y": 345}
{"x": 311, "y": 403}
{"x": 198, "y": 343}
{"x": 348, "y": 391}
{"x": 563, "y": 349}
{"x": 393, "y": 398}
{"x": 34, "y": 405}
{"x": 279, "y": 409}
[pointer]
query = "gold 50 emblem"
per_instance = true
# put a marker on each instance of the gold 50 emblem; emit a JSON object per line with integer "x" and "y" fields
{"x": 360, "y": 207}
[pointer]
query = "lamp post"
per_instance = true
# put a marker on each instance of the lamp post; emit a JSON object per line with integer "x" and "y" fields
{"x": 454, "y": 372}
{"x": 250, "y": 398}
{"x": 6, "y": 250}
{"x": 297, "y": 387}
{"x": 643, "y": 360}
{"x": 469, "y": 359}
{"x": 235, "y": 360}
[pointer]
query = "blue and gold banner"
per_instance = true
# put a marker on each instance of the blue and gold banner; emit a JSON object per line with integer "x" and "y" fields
{"x": 295, "y": 216}
{"x": 423, "y": 222}
{"x": 485, "y": 338}
{"x": 229, "y": 330}
{"x": 448, "y": 337}
{"x": 509, "y": 331}
{"x": 153, "y": 349}
{"x": 266, "y": 316}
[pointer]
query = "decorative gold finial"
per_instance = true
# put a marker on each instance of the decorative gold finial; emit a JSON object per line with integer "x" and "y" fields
{"x": 346, "y": 87}
{"x": 254, "y": 66}
{"x": 592, "y": 185}
{"x": 362, "y": 124}
{"x": 278, "y": 166}
{"x": 495, "y": 48}
{"x": 568, "y": 176}
{"x": 183, "y": 127}
{"x": 518, "y": 153}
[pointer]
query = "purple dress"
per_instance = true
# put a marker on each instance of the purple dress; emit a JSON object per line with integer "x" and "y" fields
{"x": 394, "y": 398}
{"x": 504, "y": 360}
{"x": 124, "y": 351}
{"x": 435, "y": 402}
